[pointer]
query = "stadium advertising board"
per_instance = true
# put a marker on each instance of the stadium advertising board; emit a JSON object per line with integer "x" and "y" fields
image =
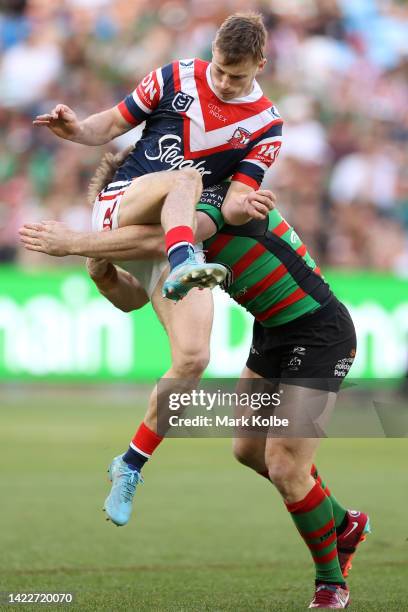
{"x": 55, "y": 326}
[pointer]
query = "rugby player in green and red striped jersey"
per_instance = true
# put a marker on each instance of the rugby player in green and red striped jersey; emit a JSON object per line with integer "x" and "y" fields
{"x": 303, "y": 337}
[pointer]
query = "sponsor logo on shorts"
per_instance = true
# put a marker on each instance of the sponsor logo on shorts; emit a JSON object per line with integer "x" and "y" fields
{"x": 294, "y": 364}
{"x": 254, "y": 351}
{"x": 342, "y": 367}
{"x": 300, "y": 350}
{"x": 182, "y": 102}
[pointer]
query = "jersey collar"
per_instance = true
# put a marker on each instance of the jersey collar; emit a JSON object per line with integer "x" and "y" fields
{"x": 254, "y": 96}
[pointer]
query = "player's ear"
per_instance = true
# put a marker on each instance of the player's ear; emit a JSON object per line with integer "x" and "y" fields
{"x": 262, "y": 64}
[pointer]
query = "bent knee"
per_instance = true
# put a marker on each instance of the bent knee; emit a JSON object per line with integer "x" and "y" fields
{"x": 192, "y": 177}
{"x": 244, "y": 451}
{"x": 284, "y": 469}
{"x": 191, "y": 364}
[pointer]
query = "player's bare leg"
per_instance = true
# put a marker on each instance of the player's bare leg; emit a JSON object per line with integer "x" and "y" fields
{"x": 190, "y": 356}
{"x": 287, "y": 463}
{"x": 188, "y": 327}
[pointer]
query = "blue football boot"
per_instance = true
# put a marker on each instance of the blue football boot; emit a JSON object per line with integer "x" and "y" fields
{"x": 124, "y": 479}
{"x": 192, "y": 273}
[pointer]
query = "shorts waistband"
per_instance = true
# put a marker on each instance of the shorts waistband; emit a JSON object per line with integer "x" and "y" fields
{"x": 325, "y": 311}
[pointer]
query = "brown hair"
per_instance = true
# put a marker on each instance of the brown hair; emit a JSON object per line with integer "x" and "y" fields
{"x": 242, "y": 35}
{"x": 106, "y": 171}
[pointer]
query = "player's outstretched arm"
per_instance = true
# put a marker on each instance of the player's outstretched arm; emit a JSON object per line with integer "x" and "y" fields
{"x": 95, "y": 130}
{"x": 123, "y": 244}
{"x": 242, "y": 203}
{"x": 121, "y": 288}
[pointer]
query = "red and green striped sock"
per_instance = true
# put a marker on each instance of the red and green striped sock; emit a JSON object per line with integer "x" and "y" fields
{"x": 313, "y": 517}
{"x": 339, "y": 513}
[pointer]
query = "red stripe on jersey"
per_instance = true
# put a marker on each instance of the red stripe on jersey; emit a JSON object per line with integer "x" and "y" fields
{"x": 247, "y": 259}
{"x": 176, "y": 76}
{"x": 302, "y": 250}
{"x": 219, "y": 243}
{"x": 281, "y": 229}
{"x": 294, "y": 297}
{"x": 113, "y": 196}
{"x": 263, "y": 285}
{"x": 227, "y": 146}
{"x": 247, "y": 180}
{"x": 122, "y": 108}
{"x": 317, "y": 271}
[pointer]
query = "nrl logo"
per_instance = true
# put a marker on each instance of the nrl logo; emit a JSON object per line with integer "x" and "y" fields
{"x": 182, "y": 102}
{"x": 240, "y": 138}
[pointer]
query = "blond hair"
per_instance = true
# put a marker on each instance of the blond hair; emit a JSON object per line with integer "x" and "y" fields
{"x": 106, "y": 171}
{"x": 242, "y": 35}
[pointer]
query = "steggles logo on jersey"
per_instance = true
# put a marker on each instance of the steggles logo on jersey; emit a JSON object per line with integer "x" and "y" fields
{"x": 169, "y": 152}
{"x": 240, "y": 138}
{"x": 182, "y": 102}
{"x": 215, "y": 111}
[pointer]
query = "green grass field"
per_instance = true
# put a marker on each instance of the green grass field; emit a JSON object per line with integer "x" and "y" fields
{"x": 207, "y": 534}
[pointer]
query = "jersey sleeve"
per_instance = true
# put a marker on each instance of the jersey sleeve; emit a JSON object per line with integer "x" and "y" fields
{"x": 211, "y": 202}
{"x": 140, "y": 104}
{"x": 252, "y": 168}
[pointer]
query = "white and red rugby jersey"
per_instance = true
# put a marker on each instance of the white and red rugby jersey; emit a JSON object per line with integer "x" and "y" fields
{"x": 188, "y": 126}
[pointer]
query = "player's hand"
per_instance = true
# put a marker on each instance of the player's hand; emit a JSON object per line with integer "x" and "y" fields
{"x": 97, "y": 268}
{"x": 50, "y": 237}
{"x": 257, "y": 204}
{"x": 61, "y": 120}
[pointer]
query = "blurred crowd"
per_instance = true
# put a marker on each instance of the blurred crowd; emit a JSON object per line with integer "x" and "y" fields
{"x": 337, "y": 70}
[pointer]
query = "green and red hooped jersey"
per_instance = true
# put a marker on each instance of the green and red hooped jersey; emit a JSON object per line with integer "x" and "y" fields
{"x": 270, "y": 272}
